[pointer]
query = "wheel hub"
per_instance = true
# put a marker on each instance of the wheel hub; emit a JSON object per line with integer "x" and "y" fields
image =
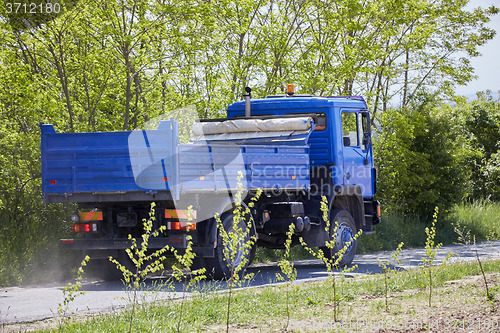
{"x": 345, "y": 235}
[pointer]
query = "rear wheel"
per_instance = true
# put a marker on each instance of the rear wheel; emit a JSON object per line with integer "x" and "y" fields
{"x": 344, "y": 237}
{"x": 230, "y": 259}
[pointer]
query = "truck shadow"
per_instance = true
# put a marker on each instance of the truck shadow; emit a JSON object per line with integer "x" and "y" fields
{"x": 258, "y": 275}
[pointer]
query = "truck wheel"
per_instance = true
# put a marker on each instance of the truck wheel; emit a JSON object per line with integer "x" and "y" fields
{"x": 345, "y": 233}
{"x": 221, "y": 267}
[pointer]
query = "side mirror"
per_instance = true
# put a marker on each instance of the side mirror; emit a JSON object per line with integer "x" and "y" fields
{"x": 366, "y": 140}
{"x": 347, "y": 141}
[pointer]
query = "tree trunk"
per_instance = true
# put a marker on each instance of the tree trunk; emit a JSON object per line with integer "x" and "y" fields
{"x": 63, "y": 79}
{"x": 128, "y": 89}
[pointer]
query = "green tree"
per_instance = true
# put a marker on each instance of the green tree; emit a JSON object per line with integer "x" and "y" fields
{"x": 477, "y": 127}
{"x": 416, "y": 153}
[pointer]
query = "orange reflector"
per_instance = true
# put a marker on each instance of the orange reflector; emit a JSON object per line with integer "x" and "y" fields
{"x": 293, "y": 177}
{"x": 202, "y": 178}
{"x": 182, "y": 214}
{"x": 290, "y": 89}
{"x": 378, "y": 211}
{"x": 90, "y": 216}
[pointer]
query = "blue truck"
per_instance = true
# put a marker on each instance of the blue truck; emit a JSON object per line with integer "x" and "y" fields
{"x": 295, "y": 149}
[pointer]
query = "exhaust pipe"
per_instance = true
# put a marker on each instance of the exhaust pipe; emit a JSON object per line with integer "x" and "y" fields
{"x": 248, "y": 96}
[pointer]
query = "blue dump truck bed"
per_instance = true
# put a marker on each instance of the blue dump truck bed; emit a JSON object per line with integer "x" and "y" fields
{"x": 150, "y": 165}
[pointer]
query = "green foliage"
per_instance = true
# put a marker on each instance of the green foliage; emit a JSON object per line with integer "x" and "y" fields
{"x": 416, "y": 153}
{"x": 464, "y": 237}
{"x": 70, "y": 292}
{"x": 386, "y": 268}
{"x": 431, "y": 154}
{"x": 333, "y": 261}
{"x": 430, "y": 250}
{"x": 478, "y": 130}
{"x": 237, "y": 241}
{"x": 479, "y": 218}
{"x": 29, "y": 229}
{"x": 288, "y": 272}
{"x": 147, "y": 262}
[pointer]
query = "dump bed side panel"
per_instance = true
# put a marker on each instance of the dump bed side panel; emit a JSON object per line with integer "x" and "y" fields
{"x": 216, "y": 167}
{"x": 100, "y": 163}
{"x": 151, "y": 165}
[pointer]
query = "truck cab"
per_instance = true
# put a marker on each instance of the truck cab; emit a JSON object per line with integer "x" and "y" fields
{"x": 341, "y": 154}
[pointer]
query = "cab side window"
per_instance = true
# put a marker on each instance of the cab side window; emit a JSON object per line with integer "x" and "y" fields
{"x": 355, "y": 129}
{"x": 350, "y": 129}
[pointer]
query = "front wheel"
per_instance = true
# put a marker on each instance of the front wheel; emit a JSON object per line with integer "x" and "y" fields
{"x": 344, "y": 237}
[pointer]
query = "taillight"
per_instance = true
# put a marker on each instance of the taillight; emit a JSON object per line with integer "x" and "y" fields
{"x": 180, "y": 219}
{"x": 184, "y": 226}
{"x": 85, "y": 227}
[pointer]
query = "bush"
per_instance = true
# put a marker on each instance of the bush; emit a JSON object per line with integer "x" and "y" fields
{"x": 416, "y": 155}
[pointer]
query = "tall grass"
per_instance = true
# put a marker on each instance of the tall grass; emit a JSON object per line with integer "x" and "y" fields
{"x": 482, "y": 218}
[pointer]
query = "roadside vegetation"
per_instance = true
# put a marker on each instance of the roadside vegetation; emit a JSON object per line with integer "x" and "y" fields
{"x": 458, "y": 301}
{"x": 479, "y": 218}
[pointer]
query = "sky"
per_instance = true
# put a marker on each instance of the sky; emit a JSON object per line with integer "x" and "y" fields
{"x": 487, "y": 66}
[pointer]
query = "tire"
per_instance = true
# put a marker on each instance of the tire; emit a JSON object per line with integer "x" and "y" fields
{"x": 345, "y": 233}
{"x": 220, "y": 267}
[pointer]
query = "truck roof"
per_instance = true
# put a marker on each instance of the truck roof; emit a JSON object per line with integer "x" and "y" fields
{"x": 282, "y": 105}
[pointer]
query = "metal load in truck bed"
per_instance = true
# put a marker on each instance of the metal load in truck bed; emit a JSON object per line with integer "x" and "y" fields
{"x": 149, "y": 165}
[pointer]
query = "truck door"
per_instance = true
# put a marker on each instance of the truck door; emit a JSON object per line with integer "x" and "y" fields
{"x": 357, "y": 150}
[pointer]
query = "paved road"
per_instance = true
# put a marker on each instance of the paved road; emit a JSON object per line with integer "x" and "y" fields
{"x": 28, "y": 304}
